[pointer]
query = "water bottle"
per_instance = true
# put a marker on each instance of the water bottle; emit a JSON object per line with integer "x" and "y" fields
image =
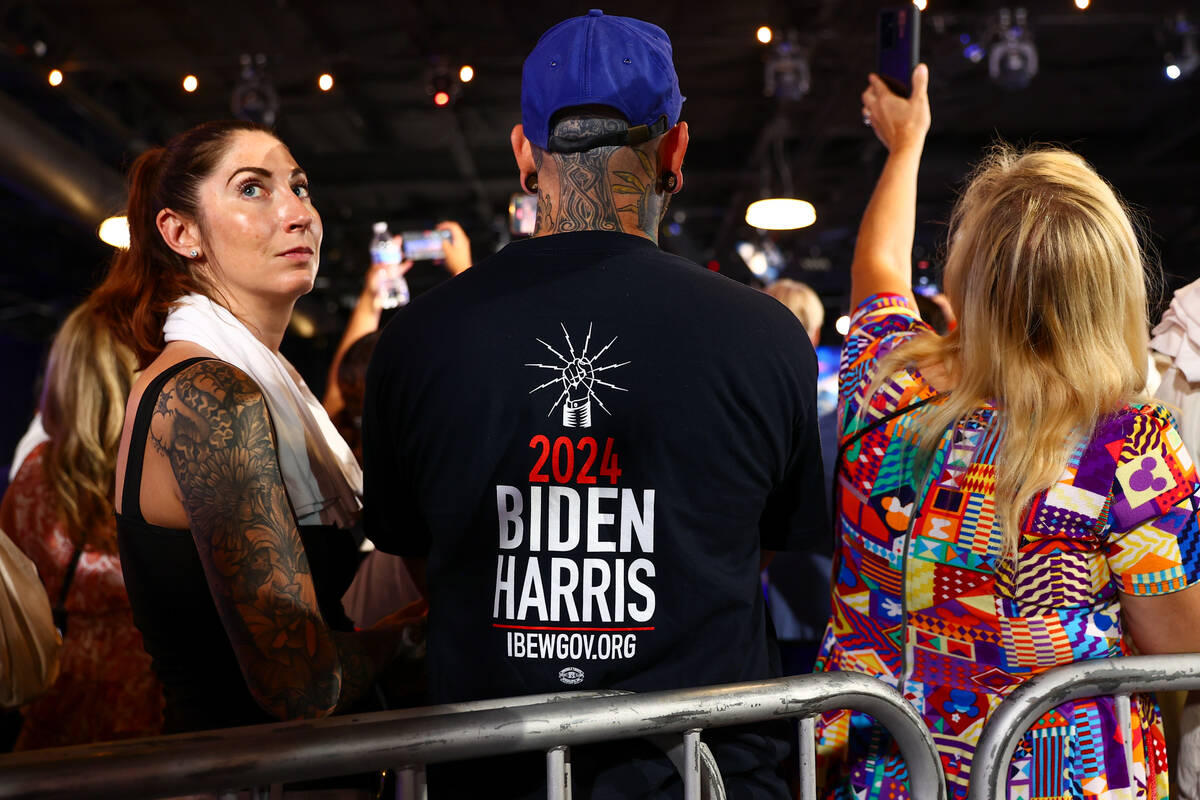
{"x": 391, "y": 289}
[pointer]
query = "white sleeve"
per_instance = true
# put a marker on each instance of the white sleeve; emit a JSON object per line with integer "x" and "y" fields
{"x": 34, "y": 436}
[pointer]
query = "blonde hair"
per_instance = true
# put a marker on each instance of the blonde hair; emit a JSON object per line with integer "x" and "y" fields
{"x": 803, "y": 302}
{"x": 1046, "y": 275}
{"x": 88, "y": 377}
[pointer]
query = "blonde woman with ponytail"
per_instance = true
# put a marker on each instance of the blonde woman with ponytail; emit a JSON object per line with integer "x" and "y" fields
{"x": 58, "y": 511}
{"x": 1007, "y": 499}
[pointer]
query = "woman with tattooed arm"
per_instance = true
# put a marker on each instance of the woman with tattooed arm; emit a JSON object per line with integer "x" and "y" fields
{"x": 234, "y": 491}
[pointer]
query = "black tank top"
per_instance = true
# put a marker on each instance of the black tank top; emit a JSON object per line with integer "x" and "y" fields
{"x": 175, "y": 612}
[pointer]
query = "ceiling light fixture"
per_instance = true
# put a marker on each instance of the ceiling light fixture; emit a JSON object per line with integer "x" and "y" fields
{"x": 783, "y": 211}
{"x": 780, "y": 213}
{"x": 114, "y": 232}
{"x": 466, "y": 74}
{"x": 55, "y": 77}
{"x": 190, "y": 83}
{"x": 763, "y": 34}
{"x": 325, "y": 82}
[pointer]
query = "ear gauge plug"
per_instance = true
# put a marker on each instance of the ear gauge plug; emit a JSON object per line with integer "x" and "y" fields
{"x": 668, "y": 181}
{"x": 531, "y": 183}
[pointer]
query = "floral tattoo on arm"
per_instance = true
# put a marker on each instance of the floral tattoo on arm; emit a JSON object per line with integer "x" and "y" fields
{"x": 212, "y": 424}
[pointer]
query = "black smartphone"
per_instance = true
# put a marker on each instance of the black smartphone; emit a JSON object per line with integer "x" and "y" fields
{"x": 898, "y": 47}
{"x": 424, "y": 245}
{"x": 522, "y": 214}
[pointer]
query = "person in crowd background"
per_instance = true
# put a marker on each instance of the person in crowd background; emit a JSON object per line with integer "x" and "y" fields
{"x": 798, "y": 583}
{"x": 234, "y": 491}
{"x": 59, "y": 510}
{"x": 1006, "y": 502}
{"x": 350, "y": 383}
{"x": 1175, "y": 380}
{"x": 367, "y": 311}
{"x": 382, "y": 583}
{"x": 605, "y": 457}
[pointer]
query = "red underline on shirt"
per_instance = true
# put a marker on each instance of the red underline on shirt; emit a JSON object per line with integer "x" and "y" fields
{"x": 554, "y": 628}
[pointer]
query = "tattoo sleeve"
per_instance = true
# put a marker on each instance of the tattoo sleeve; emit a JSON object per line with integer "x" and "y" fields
{"x": 211, "y": 423}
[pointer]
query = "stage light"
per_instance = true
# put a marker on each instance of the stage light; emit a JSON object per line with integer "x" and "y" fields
{"x": 1184, "y": 57}
{"x": 920, "y": 4}
{"x": 1082, "y": 4}
{"x": 55, "y": 77}
{"x": 254, "y": 97}
{"x": 466, "y": 73}
{"x": 442, "y": 88}
{"x": 786, "y": 74}
{"x": 1014, "y": 59}
{"x": 114, "y": 232}
{"x": 842, "y": 325}
{"x": 764, "y": 34}
{"x": 763, "y": 258}
{"x": 190, "y": 83}
{"x": 325, "y": 82}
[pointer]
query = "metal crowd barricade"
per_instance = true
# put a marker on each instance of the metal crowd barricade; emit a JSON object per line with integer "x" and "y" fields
{"x": 215, "y": 761}
{"x": 1105, "y": 676}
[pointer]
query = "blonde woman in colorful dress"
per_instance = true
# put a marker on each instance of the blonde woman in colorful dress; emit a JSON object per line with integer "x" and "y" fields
{"x": 1007, "y": 500}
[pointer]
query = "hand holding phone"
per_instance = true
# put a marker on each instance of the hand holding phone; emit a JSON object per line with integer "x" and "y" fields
{"x": 898, "y": 122}
{"x": 424, "y": 245}
{"x": 898, "y": 49}
{"x": 522, "y": 214}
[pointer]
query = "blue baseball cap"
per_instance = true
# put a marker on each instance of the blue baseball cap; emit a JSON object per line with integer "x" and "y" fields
{"x": 599, "y": 59}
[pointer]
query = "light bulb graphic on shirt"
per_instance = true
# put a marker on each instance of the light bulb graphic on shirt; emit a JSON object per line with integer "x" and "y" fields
{"x": 577, "y": 377}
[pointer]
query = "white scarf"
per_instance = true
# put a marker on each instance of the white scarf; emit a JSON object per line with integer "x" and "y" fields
{"x": 1178, "y": 334}
{"x": 322, "y": 476}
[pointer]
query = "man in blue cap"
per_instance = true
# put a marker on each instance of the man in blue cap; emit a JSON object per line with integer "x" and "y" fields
{"x": 586, "y": 448}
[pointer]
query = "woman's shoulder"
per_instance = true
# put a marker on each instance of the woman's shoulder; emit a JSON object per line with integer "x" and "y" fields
{"x": 200, "y": 368}
{"x": 29, "y": 485}
{"x": 880, "y": 324}
{"x": 1140, "y": 414}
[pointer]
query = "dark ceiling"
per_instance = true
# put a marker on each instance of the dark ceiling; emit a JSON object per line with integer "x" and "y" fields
{"x": 375, "y": 147}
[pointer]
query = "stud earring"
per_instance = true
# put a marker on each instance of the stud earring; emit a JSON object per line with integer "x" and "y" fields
{"x": 194, "y": 253}
{"x": 668, "y": 181}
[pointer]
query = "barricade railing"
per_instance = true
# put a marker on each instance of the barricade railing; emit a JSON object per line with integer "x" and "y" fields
{"x": 1118, "y": 677}
{"x": 215, "y": 761}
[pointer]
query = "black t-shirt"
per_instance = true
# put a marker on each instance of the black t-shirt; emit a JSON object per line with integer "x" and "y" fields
{"x": 591, "y": 441}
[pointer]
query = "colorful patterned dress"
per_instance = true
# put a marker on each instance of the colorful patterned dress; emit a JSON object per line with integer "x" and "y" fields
{"x": 923, "y": 600}
{"x": 106, "y": 688}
